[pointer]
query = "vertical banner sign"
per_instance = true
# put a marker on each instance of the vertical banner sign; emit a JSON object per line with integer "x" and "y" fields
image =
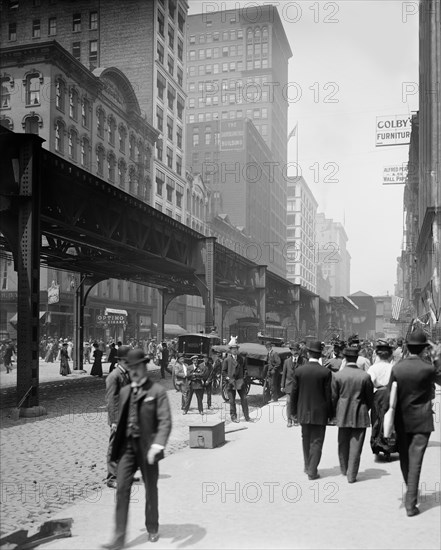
{"x": 393, "y": 130}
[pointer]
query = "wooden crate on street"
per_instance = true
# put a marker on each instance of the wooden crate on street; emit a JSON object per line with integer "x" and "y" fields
{"x": 207, "y": 436}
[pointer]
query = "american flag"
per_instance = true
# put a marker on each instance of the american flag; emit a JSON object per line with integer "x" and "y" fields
{"x": 397, "y": 302}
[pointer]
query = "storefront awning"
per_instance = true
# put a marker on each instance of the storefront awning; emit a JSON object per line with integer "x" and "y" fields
{"x": 110, "y": 311}
{"x": 173, "y": 330}
{"x": 14, "y": 318}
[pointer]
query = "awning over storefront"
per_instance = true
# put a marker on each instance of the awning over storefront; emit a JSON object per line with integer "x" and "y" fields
{"x": 110, "y": 311}
{"x": 14, "y": 318}
{"x": 173, "y": 330}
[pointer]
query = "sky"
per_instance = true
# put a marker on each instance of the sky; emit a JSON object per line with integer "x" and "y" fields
{"x": 351, "y": 60}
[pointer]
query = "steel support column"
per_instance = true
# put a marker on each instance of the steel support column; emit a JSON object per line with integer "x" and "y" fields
{"x": 210, "y": 281}
{"x": 164, "y": 300}
{"x": 261, "y": 297}
{"x": 28, "y": 269}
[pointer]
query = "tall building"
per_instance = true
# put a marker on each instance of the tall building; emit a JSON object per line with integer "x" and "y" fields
{"x": 146, "y": 41}
{"x": 300, "y": 234}
{"x": 421, "y": 254}
{"x": 333, "y": 256}
{"x": 237, "y": 120}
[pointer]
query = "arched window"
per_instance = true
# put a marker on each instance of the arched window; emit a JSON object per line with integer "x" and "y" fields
{"x": 100, "y": 160}
{"x": 140, "y": 152}
{"x": 132, "y": 146}
{"x": 73, "y": 103}
{"x": 111, "y": 164}
{"x": 6, "y": 122}
{"x": 264, "y": 34}
{"x": 122, "y": 169}
{"x": 5, "y": 94}
{"x": 257, "y": 34}
{"x": 73, "y": 144}
{"x": 85, "y": 153}
{"x": 32, "y": 84}
{"x": 59, "y": 136}
{"x": 249, "y": 35}
{"x": 122, "y": 137}
{"x": 32, "y": 122}
{"x": 60, "y": 91}
{"x": 111, "y": 128}
{"x": 100, "y": 121}
{"x": 133, "y": 181}
{"x": 85, "y": 112}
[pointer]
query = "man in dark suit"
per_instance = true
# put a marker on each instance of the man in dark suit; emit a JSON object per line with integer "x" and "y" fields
{"x": 415, "y": 380}
{"x": 289, "y": 366}
{"x": 196, "y": 376}
{"x": 143, "y": 429}
{"x": 116, "y": 380}
{"x": 273, "y": 370}
{"x": 234, "y": 372}
{"x": 311, "y": 404}
{"x": 352, "y": 397}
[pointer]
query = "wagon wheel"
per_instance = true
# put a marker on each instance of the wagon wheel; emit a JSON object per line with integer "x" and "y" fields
{"x": 266, "y": 394}
{"x": 224, "y": 389}
{"x": 247, "y": 384}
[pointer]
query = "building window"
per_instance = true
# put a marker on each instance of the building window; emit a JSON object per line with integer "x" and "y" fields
{"x": 195, "y": 139}
{"x": 171, "y": 37}
{"x": 5, "y": 94}
{"x": 111, "y": 164}
{"x": 36, "y": 29}
{"x": 100, "y": 160}
{"x": 169, "y": 157}
{"x": 160, "y": 86}
{"x": 180, "y": 107}
{"x": 93, "y": 20}
{"x": 181, "y": 20}
{"x": 172, "y": 8}
{"x": 12, "y": 32}
{"x": 169, "y": 191}
{"x": 178, "y": 199}
{"x": 32, "y": 124}
{"x": 76, "y": 22}
{"x": 93, "y": 54}
{"x": 160, "y": 52}
{"x": 59, "y": 137}
{"x": 85, "y": 153}
{"x": 159, "y": 118}
{"x": 72, "y": 146}
{"x": 159, "y": 149}
{"x": 179, "y": 136}
{"x": 6, "y": 122}
{"x": 100, "y": 122}
{"x": 180, "y": 49}
{"x": 171, "y": 94}
{"x": 85, "y": 112}
{"x": 73, "y": 104}
{"x": 133, "y": 183}
{"x": 178, "y": 165}
{"x": 76, "y": 50}
{"x": 122, "y": 169}
{"x": 180, "y": 76}
{"x": 160, "y": 179}
{"x": 32, "y": 85}
{"x": 132, "y": 146}
{"x": 170, "y": 128}
{"x": 122, "y": 138}
{"x": 170, "y": 65}
{"x": 52, "y": 26}
{"x": 161, "y": 23}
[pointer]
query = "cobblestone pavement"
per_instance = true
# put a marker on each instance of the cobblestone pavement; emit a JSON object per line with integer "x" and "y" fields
{"x": 47, "y": 463}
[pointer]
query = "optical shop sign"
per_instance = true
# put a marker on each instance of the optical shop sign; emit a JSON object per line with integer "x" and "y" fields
{"x": 393, "y": 130}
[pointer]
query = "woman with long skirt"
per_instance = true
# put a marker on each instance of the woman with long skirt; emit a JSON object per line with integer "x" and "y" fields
{"x": 97, "y": 368}
{"x": 64, "y": 361}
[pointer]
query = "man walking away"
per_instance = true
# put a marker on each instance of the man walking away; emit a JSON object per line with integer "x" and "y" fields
{"x": 415, "y": 379}
{"x": 311, "y": 404}
{"x": 352, "y": 396}
{"x": 289, "y": 366}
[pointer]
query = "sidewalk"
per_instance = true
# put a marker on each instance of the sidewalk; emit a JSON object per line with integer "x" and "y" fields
{"x": 252, "y": 493}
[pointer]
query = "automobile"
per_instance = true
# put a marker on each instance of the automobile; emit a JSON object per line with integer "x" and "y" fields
{"x": 255, "y": 359}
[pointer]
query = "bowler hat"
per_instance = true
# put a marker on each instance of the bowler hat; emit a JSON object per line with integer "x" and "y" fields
{"x": 417, "y": 338}
{"x": 382, "y": 344}
{"x": 351, "y": 351}
{"x": 122, "y": 351}
{"x": 135, "y": 357}
{"x": 315, "y": 346}
{"x": 294, "y": 346}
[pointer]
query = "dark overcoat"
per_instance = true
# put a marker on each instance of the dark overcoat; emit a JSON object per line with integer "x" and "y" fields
{"x": 311, "y": 394}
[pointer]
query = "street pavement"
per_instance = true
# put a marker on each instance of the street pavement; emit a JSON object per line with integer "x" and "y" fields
{"x": 252, "y": 493}
{"x": 249, "y": 493}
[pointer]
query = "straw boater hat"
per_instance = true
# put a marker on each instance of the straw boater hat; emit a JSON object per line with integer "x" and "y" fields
{"x": 233, "y": 342}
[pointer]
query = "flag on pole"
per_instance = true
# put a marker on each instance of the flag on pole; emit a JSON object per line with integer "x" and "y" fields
{"x": 397, "y": 302}
{"x": 293, "y": 132}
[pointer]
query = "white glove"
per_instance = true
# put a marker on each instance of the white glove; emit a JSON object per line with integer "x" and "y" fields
{"x": 152, "y": 452}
